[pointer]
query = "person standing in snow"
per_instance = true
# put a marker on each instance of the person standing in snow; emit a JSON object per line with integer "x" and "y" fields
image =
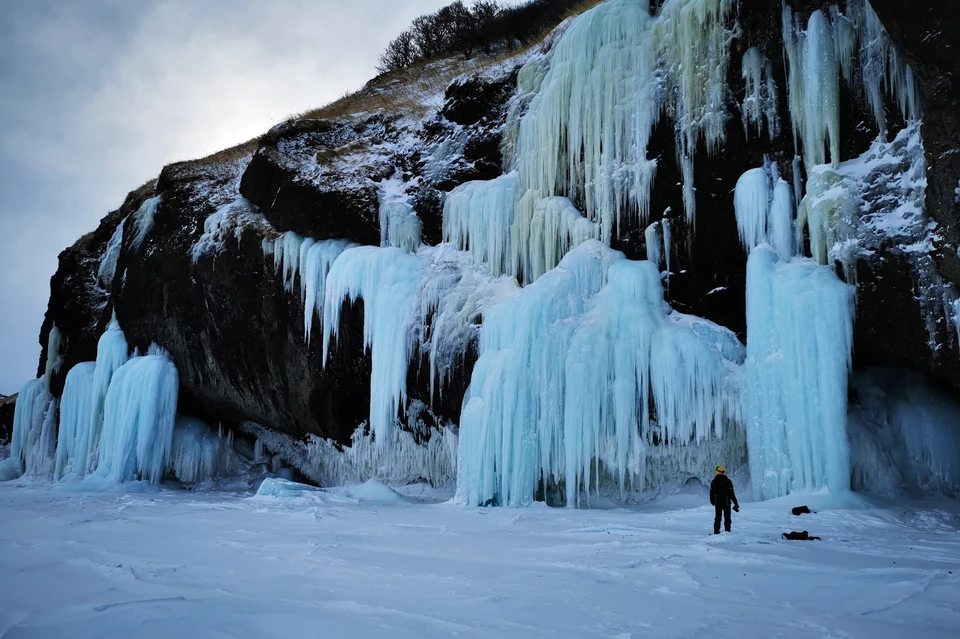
{"x": 721, "y": 496}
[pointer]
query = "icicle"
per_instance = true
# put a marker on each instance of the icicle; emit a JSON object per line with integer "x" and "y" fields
{"x": 139, "y": 414}
{"x": 316, "y": 262}
{"x": 694, "y": 44}
{"x": 764, "y": 210}
{"x": 230, "y": 218}
{"x": 75, "y": 414}
{"x": 667, "y": 243}
{"x": 654, "y": 241}
{"x": 108, "y": 263}
{"x": 143, "y": 221}
{"x": 799, "y": 341}
{"x": 386, "y": 279}
{"x": 760, "y": 102}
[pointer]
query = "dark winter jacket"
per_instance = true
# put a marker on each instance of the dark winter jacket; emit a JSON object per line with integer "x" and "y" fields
{"x": 721, "y": 492}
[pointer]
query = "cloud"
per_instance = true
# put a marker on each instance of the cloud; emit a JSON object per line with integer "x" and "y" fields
{"x": 98, "y": 96}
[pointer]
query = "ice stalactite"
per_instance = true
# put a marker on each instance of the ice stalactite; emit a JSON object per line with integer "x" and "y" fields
{"x": 386, "y": 280}
{"x": 694, "y": 42}
{"x": 763, "y": 204}
{"x": 76, "y": 411}
{"x": 34, "y": 432}
{"x": 143, "y": 221}
{"x": 108, "y": 263}
{"x": 583, "y": 135}
{"x": 799, "y": 341}
{"x": 478, "y": 218}
{"x": 653, "y": 237}
{"x": 667, "y": 245}
{"x": 138, "y": 420}
{"x": 309, "y": 261}
{"x": 751, "y": 204}
{"x": 814, "y": 81}
{"x": 823, "y": 53}
{"x": 883, "y": 69}
{"x": 565, "y": 373}
{"x": 760, "y": 101}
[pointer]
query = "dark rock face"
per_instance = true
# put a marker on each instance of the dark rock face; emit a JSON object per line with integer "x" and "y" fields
{"x": 927, "y": 33}
{"x": 8, "y": 406}
{"x": 317, "y": 178}
{"x": 236, "y": 334}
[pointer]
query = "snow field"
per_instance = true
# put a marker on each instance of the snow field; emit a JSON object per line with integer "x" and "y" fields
{"x": 169, "y": 563}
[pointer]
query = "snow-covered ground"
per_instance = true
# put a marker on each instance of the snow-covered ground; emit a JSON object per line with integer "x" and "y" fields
{"x": 360, "y": 564}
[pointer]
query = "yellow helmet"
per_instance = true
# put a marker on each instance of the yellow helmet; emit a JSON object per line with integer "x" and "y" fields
{"x": 721, "y": 470}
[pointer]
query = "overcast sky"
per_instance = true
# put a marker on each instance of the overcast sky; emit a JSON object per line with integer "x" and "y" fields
{"x": 97, "y": 95}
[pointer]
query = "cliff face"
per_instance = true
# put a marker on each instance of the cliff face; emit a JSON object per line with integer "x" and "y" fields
{"x": 202, "y": 285}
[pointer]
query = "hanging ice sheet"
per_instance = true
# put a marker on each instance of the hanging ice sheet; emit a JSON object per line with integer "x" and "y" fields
{"x": 799, "y": 341}
{"x": 566, "y": 370}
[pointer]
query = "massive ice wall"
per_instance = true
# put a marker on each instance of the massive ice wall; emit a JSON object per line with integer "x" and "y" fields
{"x": 566, "y": 372}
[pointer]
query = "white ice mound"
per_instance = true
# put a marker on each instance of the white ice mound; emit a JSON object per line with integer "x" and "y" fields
{"x": 284, "y": 489}
{"x": 374, "y": 491}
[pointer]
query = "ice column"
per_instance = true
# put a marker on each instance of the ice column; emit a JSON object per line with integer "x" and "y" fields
{"x": 34, "y": 432}
{"x": 76, "y": 411}
{"x": 138, "y": 420}
{"x": 653, "y": 238}
{"x": 799, "y": 341}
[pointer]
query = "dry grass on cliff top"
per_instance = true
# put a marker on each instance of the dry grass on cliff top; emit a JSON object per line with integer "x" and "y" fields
{"x": 412, "y": 92}
{"x": 417, "y": 90}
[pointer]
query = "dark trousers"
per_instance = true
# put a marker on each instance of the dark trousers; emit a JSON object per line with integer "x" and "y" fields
{"x": 722, "y": 510}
